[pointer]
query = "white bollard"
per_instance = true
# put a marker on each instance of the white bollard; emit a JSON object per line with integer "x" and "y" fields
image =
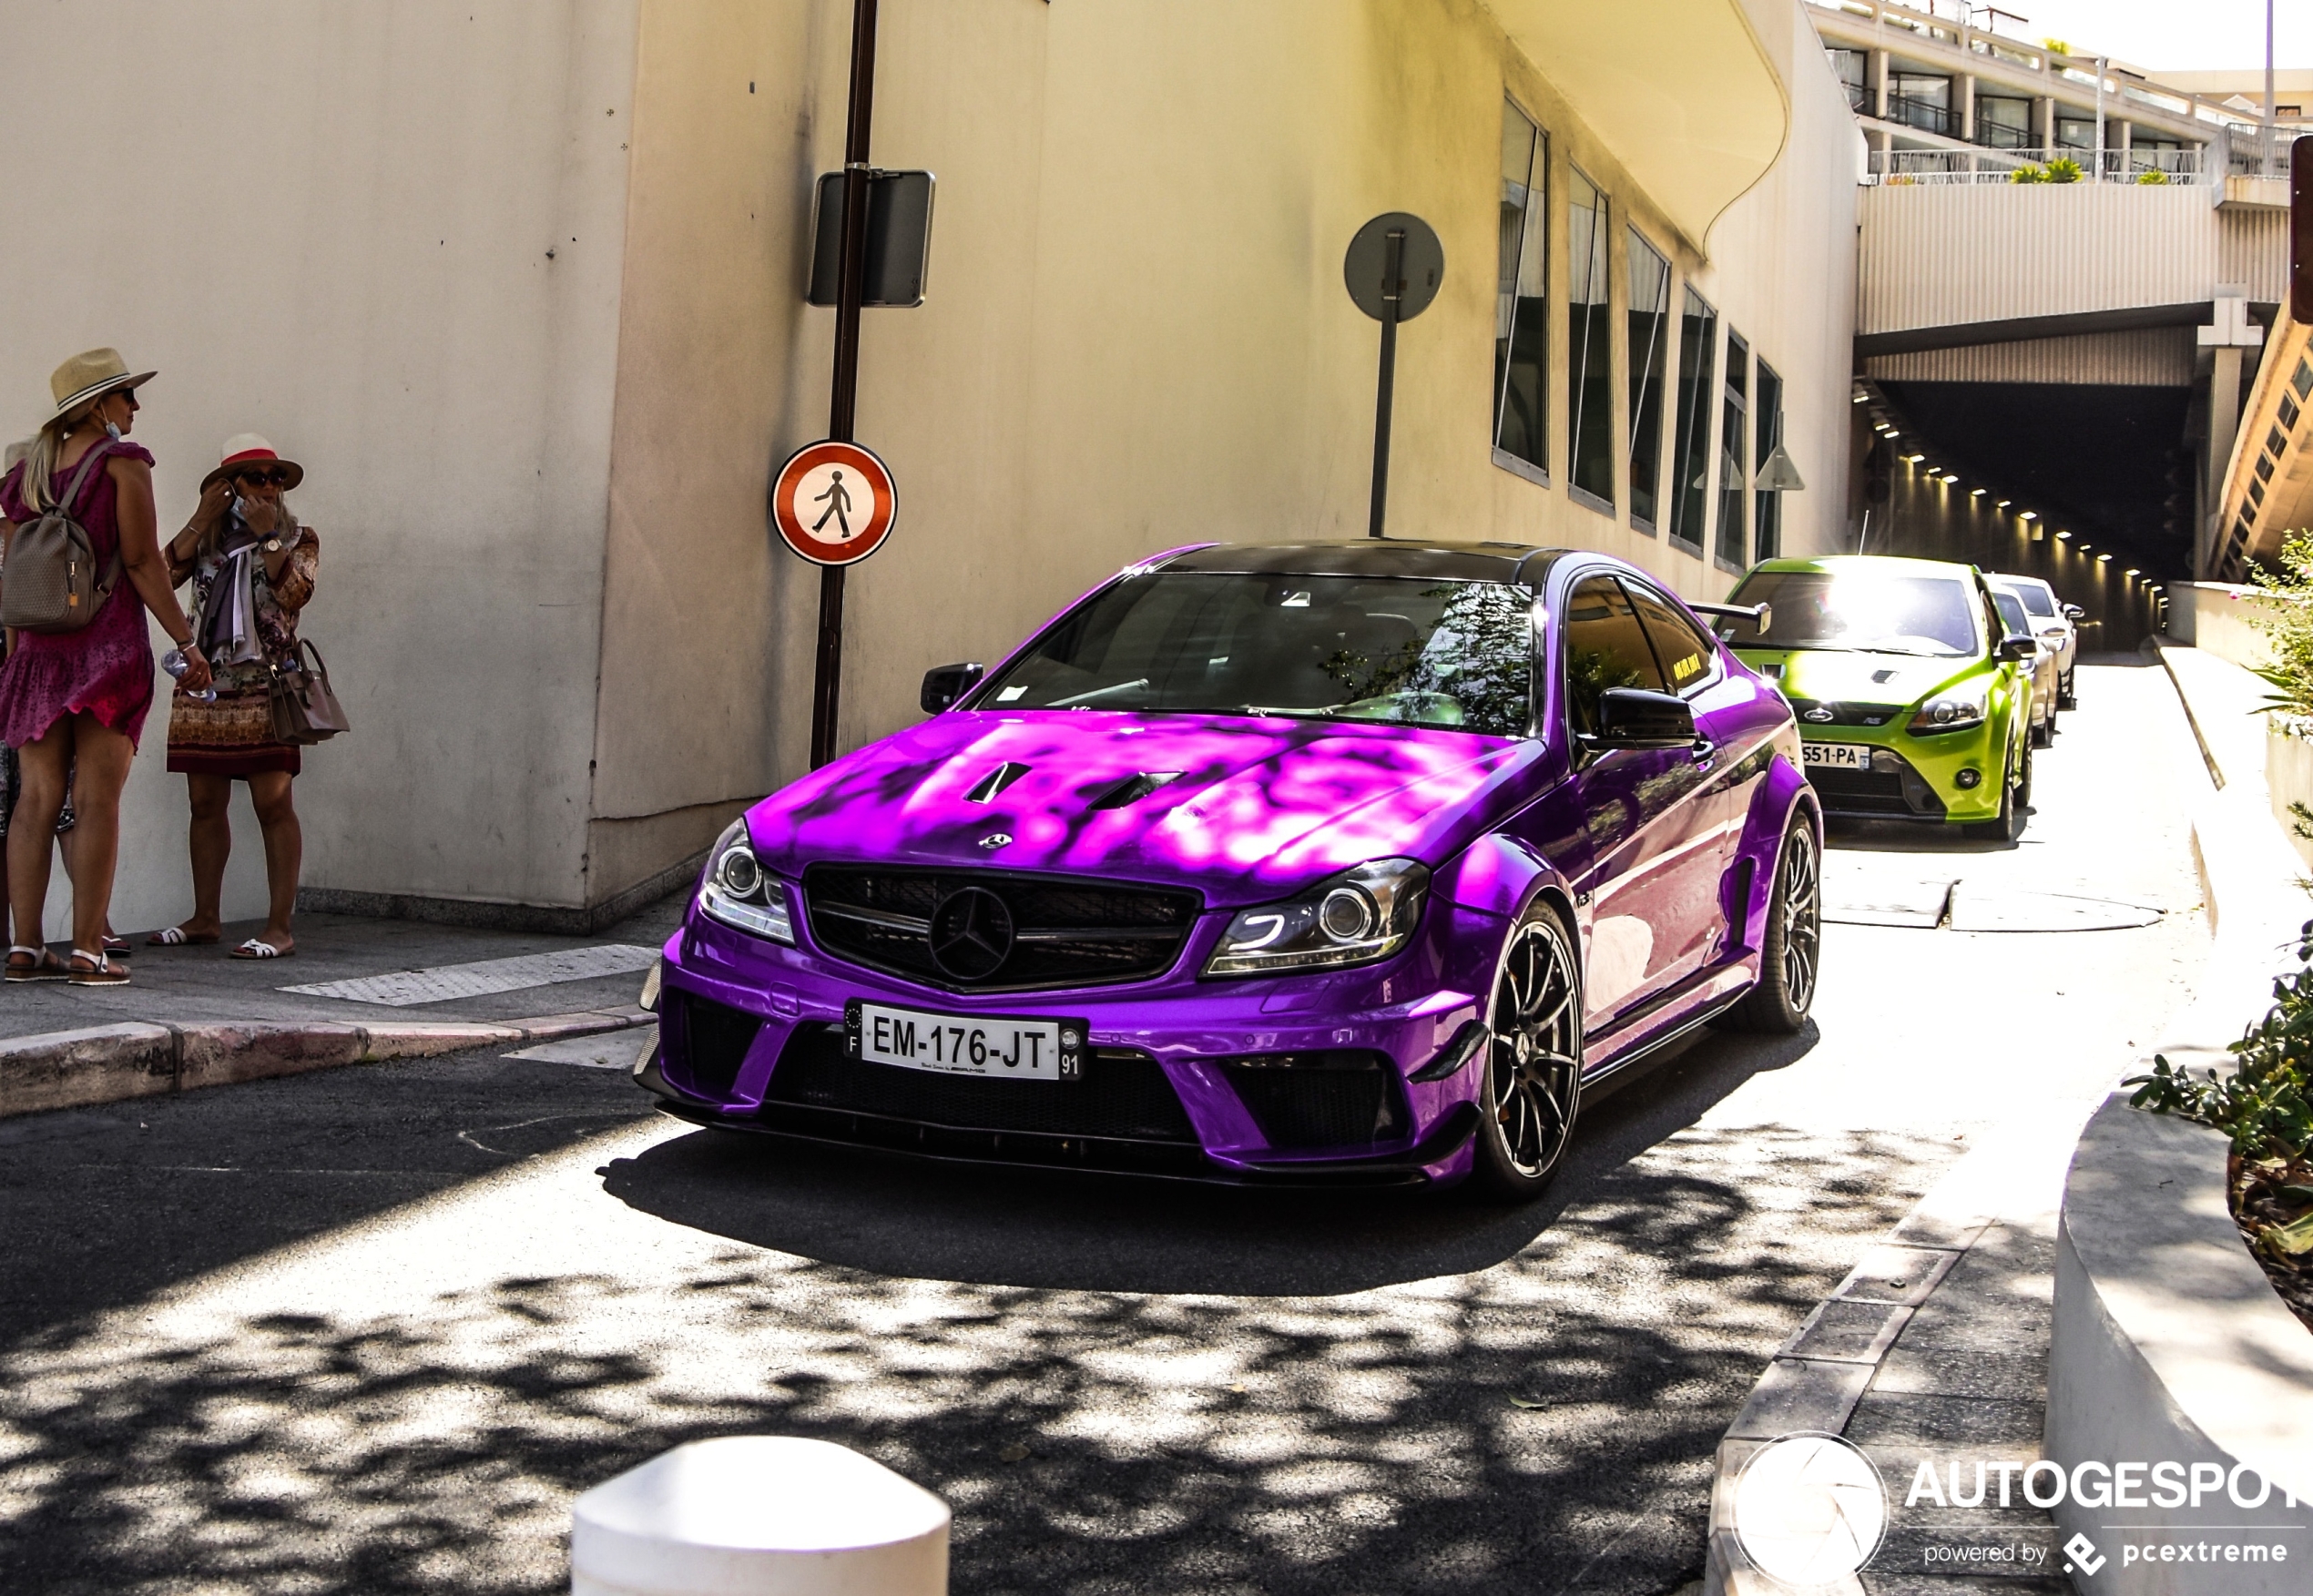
{"x": 758, "y": 1515}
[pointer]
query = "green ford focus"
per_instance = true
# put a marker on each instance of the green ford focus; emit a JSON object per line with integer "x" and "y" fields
{"x": 1913, "y": 703}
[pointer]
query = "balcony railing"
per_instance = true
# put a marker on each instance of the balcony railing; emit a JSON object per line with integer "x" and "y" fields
{"x": 1925, "y": 114}
{"x": 1901, "y": 167}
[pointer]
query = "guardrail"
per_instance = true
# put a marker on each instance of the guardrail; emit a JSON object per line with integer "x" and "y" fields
{"x": 1933, "y": 167}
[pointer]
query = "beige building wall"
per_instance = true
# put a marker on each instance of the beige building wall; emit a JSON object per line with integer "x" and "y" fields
{"x": 1137, "y": 334}
{"x": 388, "y": 237}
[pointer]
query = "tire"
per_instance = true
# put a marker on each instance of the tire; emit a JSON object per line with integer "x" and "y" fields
{"x": 2015, "y": 797}
{"x": 1532, "y": 1087}
{"x": 1790, "y": 952}
{"x": 2043, "y": 734}
{"x": 2064, "y": 698}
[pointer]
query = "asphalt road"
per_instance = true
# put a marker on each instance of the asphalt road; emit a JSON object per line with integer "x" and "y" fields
{"x": 372, "y": 1330}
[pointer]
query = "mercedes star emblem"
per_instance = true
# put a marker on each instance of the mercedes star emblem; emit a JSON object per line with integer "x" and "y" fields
{"x": 971, "y": 933}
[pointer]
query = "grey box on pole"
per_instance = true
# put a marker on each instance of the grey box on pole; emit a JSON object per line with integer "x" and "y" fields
{"x": 899, "y": 239}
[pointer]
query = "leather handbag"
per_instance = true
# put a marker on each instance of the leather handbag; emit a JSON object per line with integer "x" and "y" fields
{"x": 305, "y": 709}
{"x": 53, "y": 582}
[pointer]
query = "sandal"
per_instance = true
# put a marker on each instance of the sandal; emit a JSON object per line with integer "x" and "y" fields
{"x": 177, "y": 937}
{"x": 100, "y": 969}
{"x": 253, "y": 948}
{"x": 43, "y": 965}
{"x": 116, "y": 944}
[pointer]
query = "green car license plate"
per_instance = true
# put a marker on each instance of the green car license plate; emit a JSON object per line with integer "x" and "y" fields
{"x": 1836, "y": 756}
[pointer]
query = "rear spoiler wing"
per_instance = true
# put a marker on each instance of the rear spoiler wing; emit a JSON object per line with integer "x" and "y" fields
{"x": 1761, "y": 615}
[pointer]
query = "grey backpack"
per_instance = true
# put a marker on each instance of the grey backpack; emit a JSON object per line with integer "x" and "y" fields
{"x": 51, "y": 582}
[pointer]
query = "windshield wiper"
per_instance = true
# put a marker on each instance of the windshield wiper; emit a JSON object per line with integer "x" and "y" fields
{"x": 1074, "y": 699}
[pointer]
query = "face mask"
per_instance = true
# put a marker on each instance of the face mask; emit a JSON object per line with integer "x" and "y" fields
{"x": 112, "y": 431}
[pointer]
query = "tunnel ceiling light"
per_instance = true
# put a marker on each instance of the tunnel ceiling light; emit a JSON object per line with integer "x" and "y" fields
{"x": 1976, "y": 493}
{"x": 2065, "y": 536}
{"x": 2003, "y": 505}
{"x": 1893, "y": 433}
{"x": 2134, "y": 571}
{"x": 1950, "y": 478}
{"x": 2026, "y": 515}
{"x": 1915, "y": 458}
{"x": 2103, "y": 559}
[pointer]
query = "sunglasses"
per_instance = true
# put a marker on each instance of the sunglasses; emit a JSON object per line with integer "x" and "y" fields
{"x": 130, "y": 395}
{"x": 276, "y": 478}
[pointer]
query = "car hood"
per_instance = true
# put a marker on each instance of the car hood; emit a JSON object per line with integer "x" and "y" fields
{"x": 1243, "y": 809}
{"x": 1832, "y": 676}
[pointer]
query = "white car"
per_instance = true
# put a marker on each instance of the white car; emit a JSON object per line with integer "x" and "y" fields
{"x": 2044, "y": 663}
{"x": 2054, "y": 623}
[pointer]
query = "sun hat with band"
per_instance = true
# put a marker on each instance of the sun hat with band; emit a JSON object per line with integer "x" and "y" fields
{"x": 90, "y": 376}
{"x": 244, "y": 450}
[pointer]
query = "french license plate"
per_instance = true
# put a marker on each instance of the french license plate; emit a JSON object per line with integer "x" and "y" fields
{"x": 1836, "y": 756}
{"x": 993, "y": 1046}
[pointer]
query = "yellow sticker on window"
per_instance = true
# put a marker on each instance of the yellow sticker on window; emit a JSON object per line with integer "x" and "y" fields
{"x": 1686, "y": 667}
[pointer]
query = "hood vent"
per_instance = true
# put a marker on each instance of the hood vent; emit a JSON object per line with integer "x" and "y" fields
{"x": 1132, "y": 788}
{"x": 1883, "y": 676}
{"x": 985, "y": 790}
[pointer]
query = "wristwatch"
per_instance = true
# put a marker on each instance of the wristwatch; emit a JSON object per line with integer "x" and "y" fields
{"x": 272, "y": 545}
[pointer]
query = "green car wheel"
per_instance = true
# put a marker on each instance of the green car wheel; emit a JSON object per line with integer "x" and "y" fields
{"x": 2015, "y": 801}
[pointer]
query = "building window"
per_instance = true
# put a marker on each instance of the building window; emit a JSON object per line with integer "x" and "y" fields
{"x": 1767, "y": 520}
{"x": 2077, "y": 133}
{"x": 1521, "y": 316}
{"x": 1590, "y": 337}
{"x": 1649, "y": 354}
{"x": 1921, "y": 102}
{"x": 1733, "y": 546}
{"x": 1853, "y": 69}
{"x": 1690, "y": 459}
{"x": 2003, "y": 123}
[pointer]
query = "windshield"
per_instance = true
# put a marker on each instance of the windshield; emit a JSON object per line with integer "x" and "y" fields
{"x": 1872, "y": 611}
{"x": 2037, "y": 598}
{"x": 2011, "y": 612}
{"x": 1417, "y": 652}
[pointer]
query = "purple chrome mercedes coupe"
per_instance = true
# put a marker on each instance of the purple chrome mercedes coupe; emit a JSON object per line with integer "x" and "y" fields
{"x": 1353, "y": 861}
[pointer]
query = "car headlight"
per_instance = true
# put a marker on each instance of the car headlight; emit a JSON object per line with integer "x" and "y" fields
{"x": 1949, "y": 712}
{"x": 1355, "y": 917}
{"x": 739, "y": 892}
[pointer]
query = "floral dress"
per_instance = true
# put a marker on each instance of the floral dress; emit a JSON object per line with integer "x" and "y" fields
{"x": 234, "y": 735}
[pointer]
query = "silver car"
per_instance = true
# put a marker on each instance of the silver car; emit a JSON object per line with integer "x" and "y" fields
{"x": 2053, "y": 622}
{"x": 2044, "y": 663}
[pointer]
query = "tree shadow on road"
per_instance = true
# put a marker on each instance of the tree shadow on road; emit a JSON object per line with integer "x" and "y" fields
{"x": 1000, "y": 1225}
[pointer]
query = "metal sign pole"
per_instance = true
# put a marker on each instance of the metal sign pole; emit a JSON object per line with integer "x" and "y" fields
{"x": 827, "y": 683}
{"x": 1392, "y": 291}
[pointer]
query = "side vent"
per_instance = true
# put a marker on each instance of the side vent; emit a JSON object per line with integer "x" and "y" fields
{"x": 1132, "y": 788}
{"x": 984, "y": 791}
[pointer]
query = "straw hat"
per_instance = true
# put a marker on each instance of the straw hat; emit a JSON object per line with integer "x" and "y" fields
{"x": 246, "y": 448}
{"x": 90, "y": 375}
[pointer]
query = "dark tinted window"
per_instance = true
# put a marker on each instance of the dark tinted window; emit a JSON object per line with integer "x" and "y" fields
{"x": 1689, "y": 658}
{"x": 1605, "y": 647}
{"x": 2012, "y": 610}
{"x": 2037, "y": 600}
{"x": 1412, "y": 650}
{"x": 1868, "y": 610}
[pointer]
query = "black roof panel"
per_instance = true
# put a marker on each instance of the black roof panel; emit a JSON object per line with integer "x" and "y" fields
{"x": 1366, "y": 556}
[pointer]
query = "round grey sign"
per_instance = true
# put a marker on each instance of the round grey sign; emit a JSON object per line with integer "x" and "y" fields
{"x": 1420, "y": 265}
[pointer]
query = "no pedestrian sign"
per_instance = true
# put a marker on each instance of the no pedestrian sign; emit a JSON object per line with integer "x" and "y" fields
{"x": 834, "y": 502}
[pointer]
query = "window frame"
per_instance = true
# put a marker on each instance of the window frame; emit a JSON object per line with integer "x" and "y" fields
{"x": 1598, "y": 321}
{"x": 1713, "y": 674}
{"x": 1766, "y": 436}
{"x": 1562, "y": 633}
{"x": 1654, "y": 370}
{"x": 1531, "y": 218}
{"x": 1734, "y": 413}
{"x": 1693, "y": 441}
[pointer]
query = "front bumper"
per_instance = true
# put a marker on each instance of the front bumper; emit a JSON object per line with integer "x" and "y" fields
{"x": 750, "y": 1039}
{"x": 1911, "y": 778}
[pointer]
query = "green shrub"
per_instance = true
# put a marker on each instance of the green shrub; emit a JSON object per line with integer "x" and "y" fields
{"x": 2029, "y": 173}
{"x": 2152, "y": 179}
{"x": 2064, "y": 169}
{"x": 2287, "y": 625}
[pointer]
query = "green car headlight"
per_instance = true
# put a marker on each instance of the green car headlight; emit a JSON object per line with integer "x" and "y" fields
{"x": 1950, "y": 712}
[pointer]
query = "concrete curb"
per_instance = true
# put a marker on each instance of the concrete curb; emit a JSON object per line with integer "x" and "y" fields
{"x": 111, "y": 1063}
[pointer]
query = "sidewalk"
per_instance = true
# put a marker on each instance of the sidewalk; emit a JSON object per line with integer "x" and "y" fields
{"x": 371, "y": 989}
{"x": 1936, "y": 1346}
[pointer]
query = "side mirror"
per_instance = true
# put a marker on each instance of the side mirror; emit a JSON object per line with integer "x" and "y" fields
{"x": 1634, "y": 718}
{"x": 2015, "y": 645}
{"x": 2073, "y": 612}
{"x": 943, "y": 685}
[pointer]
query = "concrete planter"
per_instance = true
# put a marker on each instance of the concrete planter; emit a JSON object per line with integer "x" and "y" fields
{"x": 2288, "y": 778}
{"x": 2171, "y": 1346}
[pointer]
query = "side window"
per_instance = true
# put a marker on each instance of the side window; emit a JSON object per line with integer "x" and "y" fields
{"x": 1689, "y": 659}
{"x": 1605, "y": 648}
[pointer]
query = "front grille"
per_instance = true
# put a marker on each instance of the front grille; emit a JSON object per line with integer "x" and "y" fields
{"x": 1124, "y": 1096}
{"x": 1062, "y": 933}
{"x": 1843, "y": 714}
{"x": 1320, "y": 1099}
{"x": 1892, "y": 786}
{"x": 712, "y": 1046}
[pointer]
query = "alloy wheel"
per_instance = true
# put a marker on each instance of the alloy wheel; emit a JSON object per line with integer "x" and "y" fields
{"x": 1534, "y": 1067}
{"x": 1802, "y": 917}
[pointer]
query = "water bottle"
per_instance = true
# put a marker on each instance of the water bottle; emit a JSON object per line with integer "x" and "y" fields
{"x": 175, "y": 662}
